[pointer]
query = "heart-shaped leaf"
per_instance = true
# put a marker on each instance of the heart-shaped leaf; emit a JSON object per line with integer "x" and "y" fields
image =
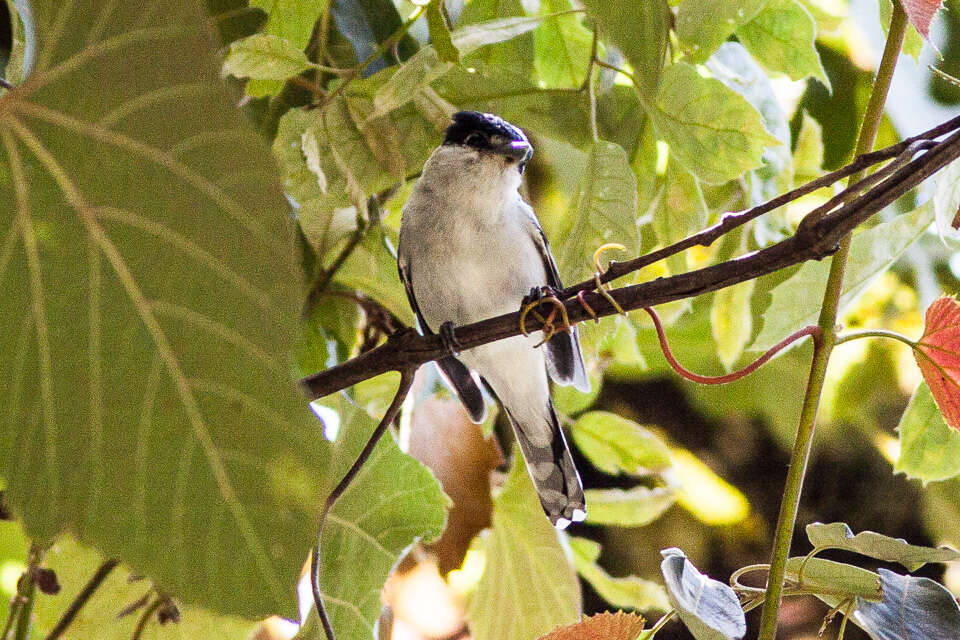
{"x": 938, "y": 356}
{"x": 837, "y": 535}
{"x": 709, "y": 609}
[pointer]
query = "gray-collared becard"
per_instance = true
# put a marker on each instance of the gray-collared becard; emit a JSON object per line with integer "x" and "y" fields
{"x": 471, "y": 248}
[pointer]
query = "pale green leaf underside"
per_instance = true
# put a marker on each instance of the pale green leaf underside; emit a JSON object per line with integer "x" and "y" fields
{"x": 150, "y": 290}
{"x": 796, "y": 302}
{"x": 929, "y": 448}
{"x": 837, "y": 535}
{"x": 528, "y": 587}
{"x": 264, "y": 57}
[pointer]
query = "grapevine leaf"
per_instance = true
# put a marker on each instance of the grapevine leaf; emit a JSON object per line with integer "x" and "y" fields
{"x": 703, "y": 26}
{"x": 781, "y": 37}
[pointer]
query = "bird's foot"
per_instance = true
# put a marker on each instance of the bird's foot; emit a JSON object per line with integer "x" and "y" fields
{"x": 449, "y": 340}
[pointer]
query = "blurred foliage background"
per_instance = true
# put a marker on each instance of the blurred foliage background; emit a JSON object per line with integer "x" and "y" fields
{"x": 352, "y": 104}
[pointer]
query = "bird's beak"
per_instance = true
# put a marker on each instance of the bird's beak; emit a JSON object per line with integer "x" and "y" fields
{"x": 519, "y": 150}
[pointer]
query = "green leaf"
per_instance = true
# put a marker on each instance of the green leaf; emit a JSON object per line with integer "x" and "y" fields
{"x": 634, "y": 507}
{"x": 264, "y": 57}
{"x": 837, "y": 535}
{"x": 153, "y": 294}
{"x": 562, "y": 47}
{"x": 796, "y": 302}
{"x": 528, "y": 587}
{"x": 642, "y": 38}
{"x": 474, "y": 36}
{"x": 292, "y": 20}
{"x": 946, "y": 201}
{"x": 500, "y": 22}
{"x": 325, "y": 225}
{"x": 929, "y": 448}
{"x": 628, "y": 592}
{"x": 781, "y": 37}
{"x": 732, "y": 321}
{"x": 703, "y": 26}
{"x": 713, "y": 132}
{"x": 681, "y": 211}
{"x": 410, "y": 79}
{"x": 372, "y": 268}
{"x": 605, "y": 211}
{"x": 808, "y": 154}
{"x": 709, "y": 609}
{"x": 826, "y": 577}
{"x": 616, "y": 445}
{"x": 440, "y": 33}
{"x": 394, "y": 501}
{"x": 75, "y": 564}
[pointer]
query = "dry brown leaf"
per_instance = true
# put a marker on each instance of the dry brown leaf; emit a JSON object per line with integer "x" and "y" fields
{"x": 603, "y": 626}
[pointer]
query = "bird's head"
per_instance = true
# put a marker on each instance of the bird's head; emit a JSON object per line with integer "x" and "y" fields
{"x": 489, "y": 137}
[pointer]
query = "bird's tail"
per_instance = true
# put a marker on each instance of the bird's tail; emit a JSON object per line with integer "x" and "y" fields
{"x": 550, "y": 465}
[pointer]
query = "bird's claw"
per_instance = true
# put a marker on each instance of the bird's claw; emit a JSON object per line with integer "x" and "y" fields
{"x": 449, "y": 340}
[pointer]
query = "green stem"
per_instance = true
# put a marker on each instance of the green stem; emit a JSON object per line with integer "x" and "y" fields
{"x": 875, "y": 333}
{"x": 787, "y": 519}
{"x": 652, "y": 631}
{"x": 26, "y": 593}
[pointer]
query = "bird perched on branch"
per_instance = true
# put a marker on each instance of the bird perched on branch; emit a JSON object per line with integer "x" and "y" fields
{"x": 471, "y": 248}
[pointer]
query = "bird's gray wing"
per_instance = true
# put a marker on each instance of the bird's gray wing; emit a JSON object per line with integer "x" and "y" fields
{"x": 563, "y": 356}
{"x": 456, "y": 374}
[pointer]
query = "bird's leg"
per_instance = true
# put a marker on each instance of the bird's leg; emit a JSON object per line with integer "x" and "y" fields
{"x": 449, "y": 340}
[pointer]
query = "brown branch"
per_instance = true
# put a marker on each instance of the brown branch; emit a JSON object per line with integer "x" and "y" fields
{"x": 88, "y": 589}
{"x": 814, "y": 240}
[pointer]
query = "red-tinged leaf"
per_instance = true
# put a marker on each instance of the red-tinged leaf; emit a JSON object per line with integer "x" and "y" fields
{"x": 603, "y": 626}
{"x": 920, "y": 13}
{"x": 938, "y": 355}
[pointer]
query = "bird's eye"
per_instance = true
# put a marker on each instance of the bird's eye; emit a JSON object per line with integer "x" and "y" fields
{"x": 474, "y": 139}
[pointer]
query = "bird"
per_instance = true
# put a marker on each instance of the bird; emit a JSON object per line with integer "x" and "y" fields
{"x": 471, "y": 248}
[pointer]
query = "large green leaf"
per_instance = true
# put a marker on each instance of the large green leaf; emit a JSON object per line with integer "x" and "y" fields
{"x": 74, "y": 564}
{"x": 605, "y": 211}
{"x": 528, "y": 587}
{"x": 714, "y": 132}
{"x": 562, "y": 47}
{"x": 640, "y": 29}
{"x": 514, "y": 53}
{"x": 796, "y": 302}
{"x": 615, "y": 444}
{"x": 929, "y": 448}
{"x": 703, "y": 26}
{"x": 782, "y": 38}
{"x": 150, "y": 304}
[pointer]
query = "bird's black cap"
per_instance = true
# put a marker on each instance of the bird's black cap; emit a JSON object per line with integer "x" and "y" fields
{"x": 483, "y": 131}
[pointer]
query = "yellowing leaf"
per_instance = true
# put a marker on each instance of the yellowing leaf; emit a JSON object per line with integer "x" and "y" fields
{"x": 708, "y": 497}
{"x": 602, "y": 626}
{"x": 732, "y": 321}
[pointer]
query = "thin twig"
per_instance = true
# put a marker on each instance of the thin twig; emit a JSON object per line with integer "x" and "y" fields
{"x": 144, "y": 618}
{"x": 322, "y": 282}
{"x": 406, "y": 380}
{"x": 88, "y": 590}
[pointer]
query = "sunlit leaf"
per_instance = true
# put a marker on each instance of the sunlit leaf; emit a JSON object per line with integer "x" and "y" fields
{"x": 634, "y": 507}
{"x": 912, "y": 608}
{"x": 837, "y": 535}
{"x": 151, "y": 299}
{"x": 703, "y": 26}
{"x": 731, "y": 319}
{"x": 796, "y": 302}
{"x": 473, "y": 36}
{"x": 710, "y": 498}
{"x": 605, "y": 211}
{"x": 640, "y": 30}
{"x": 628, "y": 592}
{"x": 929, "y": 448}
{"x": 528, "y": 586}
{"x": 938, "y": 356}
{"x": 617, "y": 445}
{"x": 601, "y": 626}
{"x": 709, "y": 609}
{"x": 562, "y": 47}
{"x": 75, "y": 564}
{"x": 834, "y": 578}
{"x": 682, "y": 211}
{"x": 292, "y": 21}
{"x": 808, "y": 153}
{"x": 714, "y": 132}
{"x": 781, "y": 37}
{"x": 946, "y": 201}
{"x": 264, "y": 57}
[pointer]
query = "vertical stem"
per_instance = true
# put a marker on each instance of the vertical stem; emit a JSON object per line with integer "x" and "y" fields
{"x": 26, "y": 592}
{"x": 787, "y": 519}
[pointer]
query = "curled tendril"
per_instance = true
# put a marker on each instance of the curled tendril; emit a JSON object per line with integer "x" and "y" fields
{"x": 601, "y": 289}
{"x": 527, "y": 309}
{"x": 587, "y": 307}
